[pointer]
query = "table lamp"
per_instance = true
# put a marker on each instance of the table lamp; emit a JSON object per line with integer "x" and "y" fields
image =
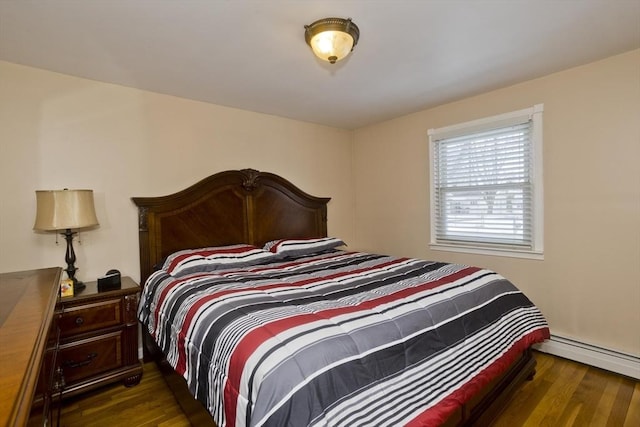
{"x": 64, "y": 211}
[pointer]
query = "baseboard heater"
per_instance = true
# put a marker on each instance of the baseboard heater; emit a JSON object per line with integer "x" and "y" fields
{"x": 611, "y": 360}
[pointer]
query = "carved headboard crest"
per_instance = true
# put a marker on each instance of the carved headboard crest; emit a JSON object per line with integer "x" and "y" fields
{"x": 251, "y": 175}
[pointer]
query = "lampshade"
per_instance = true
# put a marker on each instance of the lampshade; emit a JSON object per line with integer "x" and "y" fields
{"x": 332, "y": 39}
{"x": 64, "y": 209}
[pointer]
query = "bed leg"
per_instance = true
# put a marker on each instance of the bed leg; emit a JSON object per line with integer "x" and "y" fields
{"x": 531, "y": 375}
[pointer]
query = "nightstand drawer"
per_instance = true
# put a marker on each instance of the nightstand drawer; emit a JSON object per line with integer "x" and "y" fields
{"x": 91, "y": 356}
{"x": 91, "y": 317}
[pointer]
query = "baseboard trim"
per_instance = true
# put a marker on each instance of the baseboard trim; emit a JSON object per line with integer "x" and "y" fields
{"x": 611, "y": 360}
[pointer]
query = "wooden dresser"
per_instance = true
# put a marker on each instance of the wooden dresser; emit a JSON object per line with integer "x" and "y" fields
{"x": 27, "y": 304}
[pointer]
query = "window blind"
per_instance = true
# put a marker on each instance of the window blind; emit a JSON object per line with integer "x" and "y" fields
{"x": 484, "y": 187}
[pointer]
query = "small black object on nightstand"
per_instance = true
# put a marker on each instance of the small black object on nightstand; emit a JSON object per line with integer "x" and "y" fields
{"x": 109, "y": 281}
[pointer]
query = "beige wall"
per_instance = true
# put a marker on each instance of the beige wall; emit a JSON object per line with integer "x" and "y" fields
{"x": 588, "y": 284}
{"x": 59, "y": 131}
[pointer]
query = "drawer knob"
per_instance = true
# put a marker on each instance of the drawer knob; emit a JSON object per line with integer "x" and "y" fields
{"x": 79, "y": 320}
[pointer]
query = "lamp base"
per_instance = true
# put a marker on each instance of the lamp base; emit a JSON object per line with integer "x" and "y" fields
{"x": 78, "y": 286}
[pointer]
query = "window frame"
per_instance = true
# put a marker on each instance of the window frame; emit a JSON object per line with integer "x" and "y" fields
{"x": 535, "y": 114}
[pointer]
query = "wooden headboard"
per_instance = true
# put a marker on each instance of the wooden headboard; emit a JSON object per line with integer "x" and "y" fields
{"x": 236, "y": 206}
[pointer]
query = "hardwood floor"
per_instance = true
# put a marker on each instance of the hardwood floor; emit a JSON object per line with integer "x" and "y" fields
{"x": 150, "y": 403}
{"x": 566, "y": 393}
{"x": 563, "y": 393}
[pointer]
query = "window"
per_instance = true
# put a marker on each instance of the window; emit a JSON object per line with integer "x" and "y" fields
{"x": 486, "y": 185}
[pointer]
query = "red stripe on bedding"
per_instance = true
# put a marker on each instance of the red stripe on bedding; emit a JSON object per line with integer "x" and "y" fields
{"x": 440, "y": 413}
{"x": 249, "y": 343}
{"x": 276, "y": 245}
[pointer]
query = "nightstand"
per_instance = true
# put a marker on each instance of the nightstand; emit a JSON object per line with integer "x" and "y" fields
{"x": 99, "y": 337}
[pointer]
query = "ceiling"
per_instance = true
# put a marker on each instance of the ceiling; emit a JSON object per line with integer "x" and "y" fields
{"x": 251, "y": 54}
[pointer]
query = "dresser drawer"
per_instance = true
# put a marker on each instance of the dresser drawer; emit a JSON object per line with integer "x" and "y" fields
{"x": 91, "y": 356}
{"x": 91, "y": 317}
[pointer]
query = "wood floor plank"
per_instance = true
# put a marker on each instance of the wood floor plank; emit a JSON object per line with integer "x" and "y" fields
{"x": 589, "y": 393}
{"x": 622, "y": 402}
{"x": 605, "y": 405}
{"x": 544, "y": 365}
{"x": 568, "y": 417}
{"x": 527, "y": 399}
{"x": 565, "y": 379}
{"x": 633, "y": 415}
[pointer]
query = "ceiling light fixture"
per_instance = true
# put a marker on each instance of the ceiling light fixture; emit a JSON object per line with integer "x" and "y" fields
{"x": 332, "y": 39}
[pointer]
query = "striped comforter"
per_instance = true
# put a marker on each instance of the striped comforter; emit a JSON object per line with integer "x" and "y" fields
{"x": 339, "y": 338}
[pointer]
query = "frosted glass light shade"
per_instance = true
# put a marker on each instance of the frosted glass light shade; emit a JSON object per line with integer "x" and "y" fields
{"x": 332, "y": 39}
{"x": 64, "y": 209}
{"x": 332, "y": 46}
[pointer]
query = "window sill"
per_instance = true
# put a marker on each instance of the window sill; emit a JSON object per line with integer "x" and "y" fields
{"x": 512, "y": 253}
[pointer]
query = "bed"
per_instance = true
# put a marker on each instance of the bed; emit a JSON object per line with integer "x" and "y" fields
{"x": 271, "y": 322}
